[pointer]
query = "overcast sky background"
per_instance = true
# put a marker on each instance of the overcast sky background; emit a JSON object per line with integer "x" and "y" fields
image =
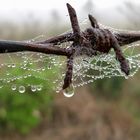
{"x": 18, "y": 9}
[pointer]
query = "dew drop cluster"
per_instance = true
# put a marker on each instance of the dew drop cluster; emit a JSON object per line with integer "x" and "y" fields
{"x": 22, "y": 89}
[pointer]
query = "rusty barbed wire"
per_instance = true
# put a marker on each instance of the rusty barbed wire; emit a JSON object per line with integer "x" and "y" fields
{"x": 88, "y": 42}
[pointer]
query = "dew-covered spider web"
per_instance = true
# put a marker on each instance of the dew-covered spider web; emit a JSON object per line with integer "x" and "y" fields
{"x": 29, "y": 71}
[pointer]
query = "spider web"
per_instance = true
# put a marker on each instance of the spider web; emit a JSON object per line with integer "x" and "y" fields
{"x": 36, "y": 71}
{"x": 88, "y": 69}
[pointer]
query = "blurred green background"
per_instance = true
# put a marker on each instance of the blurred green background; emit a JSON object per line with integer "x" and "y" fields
{"x": 107, "y": 109}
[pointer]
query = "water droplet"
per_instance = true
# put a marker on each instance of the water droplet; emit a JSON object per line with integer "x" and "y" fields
{"x": 25, "y": 61}
{"x": 7, "y": 74}
{"x": 13, "y": 65}
{"x": 39, "y": 87}
{"x": 29, "y": 75}
{"x": 13, "y": 87}
{"x": 57, "y": 91}
{"x": 43, "y": 69}
{"x": 21, "y": 89}
{"x": 9, "y": 65}
{"x": 33, "y": 88}
{"x": 69, "y": 92}
{"x": 49, "y": 67}
{"x": 30, "y": 63}
{"x": 8, "y": 81}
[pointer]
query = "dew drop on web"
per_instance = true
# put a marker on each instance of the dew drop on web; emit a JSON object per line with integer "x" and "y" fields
{"x": 21, "y": 89}
{"x": 33, "y": 88}
{"x": 13, "y": 87}
{"x": 86, "y": 69}
{"x": 39, "y": 87}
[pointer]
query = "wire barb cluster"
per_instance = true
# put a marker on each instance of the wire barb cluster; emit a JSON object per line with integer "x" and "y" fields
{"x": 88, "y": 42}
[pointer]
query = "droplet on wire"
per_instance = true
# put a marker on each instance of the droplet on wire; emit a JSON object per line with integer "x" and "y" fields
{"x": 68, "y": 92}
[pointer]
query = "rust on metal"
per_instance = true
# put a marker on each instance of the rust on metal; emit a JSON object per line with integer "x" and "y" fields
{"x": 88, "y": 42}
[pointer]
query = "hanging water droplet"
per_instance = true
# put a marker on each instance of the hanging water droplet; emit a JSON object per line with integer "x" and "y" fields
{"x": 29, "y": 75}
{"x": 69, "y": 92}
{"x": 7, "y": 74}
{"x": 126, "y": 77}
{"x": 33, "y": 88}
{"x": 134, "y": 66}
{"x": 8, "y": 81}
{"x": 13, "y": 87}
{"x": 9, "y": 65}
{"x": 13, "y": 65}
{"x": 25, "y": 61}
{"x": 21, "y": 89}
{"x": 57, "y": 91}
{"x": 49, "y": 67}
{"x": 39, "y": 87}
{"x": 30, "y": 63}
{"x": 43, "y": 69}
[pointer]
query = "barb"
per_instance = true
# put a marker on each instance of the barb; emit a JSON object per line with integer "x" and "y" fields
{"x": 74, "y": 22}
{"x": 17, "y": 46}
{"x": 58, "y": 39}
{"x": 93, "y": 21}
{"x": 88, "y": 42}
